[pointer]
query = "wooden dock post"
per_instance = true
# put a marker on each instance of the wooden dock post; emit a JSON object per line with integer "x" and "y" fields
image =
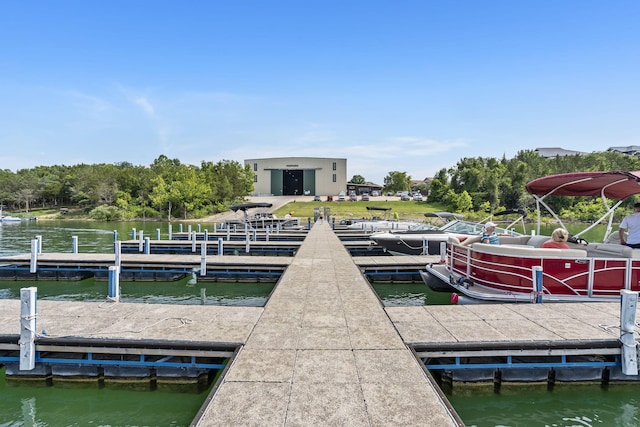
{"x": 74, "y": 244}
{"x": 220, "y": 247}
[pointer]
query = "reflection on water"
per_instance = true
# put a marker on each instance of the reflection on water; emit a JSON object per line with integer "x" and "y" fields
{"x": 247, "y": 294}
{"x": 93, "y": 236}
{"x": 409, "y": 294}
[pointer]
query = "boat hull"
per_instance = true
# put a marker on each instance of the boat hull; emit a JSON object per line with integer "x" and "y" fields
{"x": 410, "y": 244}
{"x": 506, "y": 273}
{"x": 436, "y": 277}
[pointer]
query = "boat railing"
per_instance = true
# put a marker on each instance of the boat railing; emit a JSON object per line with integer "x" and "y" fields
{"x": 584, "y": 272}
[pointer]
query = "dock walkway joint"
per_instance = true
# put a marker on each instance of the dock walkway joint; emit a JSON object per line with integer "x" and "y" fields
{"x": 324, "y": 352}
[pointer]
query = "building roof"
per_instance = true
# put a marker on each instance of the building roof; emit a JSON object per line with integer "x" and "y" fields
{"x": 629, "y": 149}
{"x": 556, "y": 151}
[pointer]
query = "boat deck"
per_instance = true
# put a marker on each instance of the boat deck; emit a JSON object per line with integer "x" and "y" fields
{"x": 323, "y": 351}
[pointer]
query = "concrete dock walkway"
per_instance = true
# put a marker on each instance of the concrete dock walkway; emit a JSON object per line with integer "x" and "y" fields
{"x": 324, "y": 352}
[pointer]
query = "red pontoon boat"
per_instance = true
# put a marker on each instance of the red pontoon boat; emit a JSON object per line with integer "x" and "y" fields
{"x": 510, "y": 271}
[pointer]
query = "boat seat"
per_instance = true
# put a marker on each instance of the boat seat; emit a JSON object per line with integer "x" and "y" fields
{"x": 513, "y": 240}
{"x": 529, "y": 251}
{"x": 537, "y": 241}
{"x": 611, "y": 250}
{"x": 614, "y": 237}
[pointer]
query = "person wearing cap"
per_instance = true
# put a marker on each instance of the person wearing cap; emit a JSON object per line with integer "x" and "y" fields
{"x": 631, "y": 224}
{"x": 558, "y": 240}
{"x": 489, "y": 234}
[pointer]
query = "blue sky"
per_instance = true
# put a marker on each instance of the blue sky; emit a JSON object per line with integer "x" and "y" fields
{"x": 410, "y": 86}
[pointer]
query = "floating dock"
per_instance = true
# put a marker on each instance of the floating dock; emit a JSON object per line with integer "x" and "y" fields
{"x": 325, "y": 351}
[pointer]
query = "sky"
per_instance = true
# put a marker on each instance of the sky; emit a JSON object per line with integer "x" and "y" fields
{"x": 405, "y": 85}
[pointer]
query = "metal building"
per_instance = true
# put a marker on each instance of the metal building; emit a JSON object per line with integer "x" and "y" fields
{"x": 293, "y": 176}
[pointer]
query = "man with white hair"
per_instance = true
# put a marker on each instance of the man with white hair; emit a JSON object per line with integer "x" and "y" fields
{"x": 489, "y": 234}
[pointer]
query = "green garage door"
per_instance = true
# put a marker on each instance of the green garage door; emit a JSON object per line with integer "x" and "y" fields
{"x": 309, "y": 181}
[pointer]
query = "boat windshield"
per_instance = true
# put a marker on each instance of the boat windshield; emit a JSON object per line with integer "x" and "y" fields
{"x": 422, "y": 227}
{"x": 462, "y": 227}
{"x": 467, "y": 227}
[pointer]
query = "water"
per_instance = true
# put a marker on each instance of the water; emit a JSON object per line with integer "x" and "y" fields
{"x": 568, "y": 405}
{"x": 409, "y": 294}
{"x": 25, "y": 404}
{"x": 247, "y": 294}
{"x": 597, "y": 234}
{"x": 93, "y": 236}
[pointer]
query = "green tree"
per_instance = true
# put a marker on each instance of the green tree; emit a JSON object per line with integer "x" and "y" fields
{"x": 357, "y": 179}
{"x": 397, "y": 181}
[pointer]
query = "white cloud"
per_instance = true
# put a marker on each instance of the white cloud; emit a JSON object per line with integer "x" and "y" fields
{"x": 146, "y": 106}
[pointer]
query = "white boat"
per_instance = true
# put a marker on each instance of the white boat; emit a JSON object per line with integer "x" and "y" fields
{"x": 426, "y": 239}
{"x": 378, "y": 224}
{"x": 7, "y": 219}
{"x": 520, "y": 270}
{"x": 260, "y": 220}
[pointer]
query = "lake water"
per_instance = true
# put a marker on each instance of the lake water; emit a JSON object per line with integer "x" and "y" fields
{"x": 568, "y": 405}
{"x": 25, "y": 404}
{"x": 92, "y": 236}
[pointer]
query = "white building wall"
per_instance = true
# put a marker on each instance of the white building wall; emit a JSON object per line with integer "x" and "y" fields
{"x": 330, "y": 173}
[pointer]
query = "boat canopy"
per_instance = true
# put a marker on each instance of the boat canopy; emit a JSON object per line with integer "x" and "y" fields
{"x": 615, "y": 185}
{"x": 246, "y": 206}
{"x": 520, "y": 212}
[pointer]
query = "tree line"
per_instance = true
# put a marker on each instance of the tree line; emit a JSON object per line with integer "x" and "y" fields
{"x": 486, "y": 184}
{"x": 167, "y": 188}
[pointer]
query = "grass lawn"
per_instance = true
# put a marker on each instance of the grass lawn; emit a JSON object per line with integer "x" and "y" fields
{"x": 408, "y": 210}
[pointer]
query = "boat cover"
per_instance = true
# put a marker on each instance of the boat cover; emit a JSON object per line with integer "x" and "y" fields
{"x": 615, "y": 185}
{"x": 246, "y": 206}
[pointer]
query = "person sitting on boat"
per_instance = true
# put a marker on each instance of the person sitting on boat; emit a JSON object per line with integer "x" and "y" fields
{"x": 558, "y": 240}
{"x": 489, "y": 234}
{"x": 631, "y": 224}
